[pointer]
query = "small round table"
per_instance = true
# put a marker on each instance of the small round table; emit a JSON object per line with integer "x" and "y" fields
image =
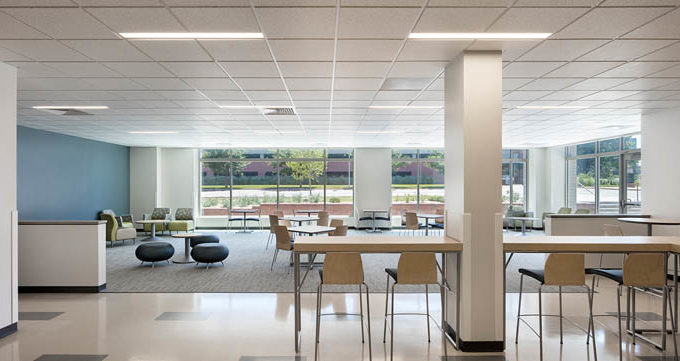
{"x": 651, "y": 222}
{"x": 186, "y": 258}
{"x": 245, "y": 213}
{"x": 373, "y": 212}
{"x": 524, "y": 221}
{"x": 427, "y": 219}
{"x": 153, "y": 223}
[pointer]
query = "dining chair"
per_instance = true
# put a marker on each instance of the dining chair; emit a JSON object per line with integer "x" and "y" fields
{"x": 322, "y": 219}
{"x": 412, "y": 223}
{"x": 283, "y": 243}
{"x": 273, "y": 221}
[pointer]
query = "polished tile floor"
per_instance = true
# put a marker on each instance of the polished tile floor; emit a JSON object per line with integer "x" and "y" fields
{"x": 258, "y": 327}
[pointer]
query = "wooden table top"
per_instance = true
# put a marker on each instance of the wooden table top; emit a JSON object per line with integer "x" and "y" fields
{"x": 591, "y": 244}
{"x": 429, "y": 215}
{"x": 651, "y": 220}
{"x": 311, "y": 229}
{"x": 153, "y": 221}
{"x": 376, "y": 244}
{"x": 299, "y": 218}
{"x": 186, "y": 235}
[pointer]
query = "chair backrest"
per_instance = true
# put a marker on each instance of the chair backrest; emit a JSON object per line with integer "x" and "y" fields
{"x": 613, "y": 230}
{"x": 564, "y": 210}
{"x": 184, "y": 214}
{"x": 323, "y": 219}
{"x": 644, "y": 270}
{"x": 343, "y": 268}
{"x": 273, "y": 221}
{"x": 282, "y": 238}
{"x": 336, "y": 222}
{"x": 339, "y": 231}
{"x": 582, "y": 211}
{"x": 278, "y": 213}
{"x": 411, "y": 220}
{"x": 111, "y": 225}
{"x": 565, "y": 269}
{"x": 160, "y": 213}
{"x": 109, "y": 211}
{"x": 204, "y": 238}
{"x": 439, "y": 220}
{"x": 389, "y": 212}
{"x": 417, "y": 268}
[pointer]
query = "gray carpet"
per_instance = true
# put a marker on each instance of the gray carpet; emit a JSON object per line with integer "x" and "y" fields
{"x": 247, "y": 270}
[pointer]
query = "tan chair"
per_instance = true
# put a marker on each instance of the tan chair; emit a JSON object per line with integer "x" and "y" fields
{"x": 278, "y": 213}
{"x": 323, "y": 219}
{"x": 412, "y": 269}
{"x": 338, "y": 225}
{"x": 273, "y": 221}
{"x": 438, "y": 222}
{"x": 412, "y": 223}
{"x": 560, "y": 269}
{"x": 343, "y": 268}
{"x": 115, "y": 231}
{"x": 610, "y": 230}
{"x": 644, "y": 271}
{"x": 283, "y": 243}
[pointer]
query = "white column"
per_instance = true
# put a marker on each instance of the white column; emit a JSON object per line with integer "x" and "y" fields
{"x": 8, "y": 200}
{"x": 473, "y": 136}
{"x": 144, "y": 180}
{"x": 372, "y": 180}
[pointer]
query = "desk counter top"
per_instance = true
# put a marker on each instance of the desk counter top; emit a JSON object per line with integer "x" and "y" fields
{"x": 377, "y": 244}
{"x": 62, "y": 223}
{"x": 591, "y": 244}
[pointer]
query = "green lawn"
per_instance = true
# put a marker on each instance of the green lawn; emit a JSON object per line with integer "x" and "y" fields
{"x": 273, "y": 186}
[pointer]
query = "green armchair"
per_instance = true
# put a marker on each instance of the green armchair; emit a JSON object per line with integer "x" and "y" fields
{"x": 123, "y": 221}
{"x": 158, "y": 213}
{"x": 114, "y": 232}
{"x": 184, "y": 220}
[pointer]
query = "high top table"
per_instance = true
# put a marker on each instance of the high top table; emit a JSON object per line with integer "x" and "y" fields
{"x": 597, "y": 244}
{"x": 299, "y": 219}
{"x": 373, "y": 212}
{"x": 153, "y": 223}
{"x": 308, "y": 211}
{"x": 186, "y": 258}
{"x": 427, "y": 219}
{"x": 245, "y": 214}
{"x": 651, "y": 221}
{"x": 373, "y": 244}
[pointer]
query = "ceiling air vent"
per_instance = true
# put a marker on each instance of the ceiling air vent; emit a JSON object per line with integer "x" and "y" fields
{"x": 279, "y": 111}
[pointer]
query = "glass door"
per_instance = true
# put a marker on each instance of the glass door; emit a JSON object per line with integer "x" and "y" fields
{"x": 609, "y": 186}
{"x": 631, "y": 189}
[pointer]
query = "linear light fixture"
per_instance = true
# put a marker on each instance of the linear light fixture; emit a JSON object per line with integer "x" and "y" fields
{"x": 69, "y": 107}
{"x": 274, "y": 132}
{"x": 152, "y": 132}
{"x": 253, "y": 106}
{"x": 187, "y": 35}
{"x": 551, "y": 107}
{"x": 379, "y": 132}
{"x": 479, "y": 36}
{"x": 405, "y": 107}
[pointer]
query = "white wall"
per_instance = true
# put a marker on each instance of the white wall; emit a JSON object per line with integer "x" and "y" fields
{"x": 372, "y": 178}
{"x": 8, "y": 197}
{"x": 660, "y": 171}
{"x": 144, "y": 180}
{"x": 179, "y": 178}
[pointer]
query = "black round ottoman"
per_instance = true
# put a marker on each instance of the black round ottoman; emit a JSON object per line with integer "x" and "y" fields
{"x": 209, "y": 253}
{"x": 154, "y": 252}
{"x": 204, "y": 238}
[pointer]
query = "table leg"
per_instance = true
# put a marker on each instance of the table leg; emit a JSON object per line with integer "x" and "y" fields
{"x": 675, "y": 291}
{"x": 187, "y": 256}
{"x": 427, "y": 226}
{"x": 524, "y": 228}
{"x": 296, "y": 290}
{"x": 373, "y": 222}
{"x": 508, "y": 261}
{"x": 649, "y": 230}
{"x": 153, "y": 234}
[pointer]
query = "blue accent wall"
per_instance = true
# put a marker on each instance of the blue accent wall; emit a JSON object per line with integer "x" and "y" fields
{"x": 63, "y": 177}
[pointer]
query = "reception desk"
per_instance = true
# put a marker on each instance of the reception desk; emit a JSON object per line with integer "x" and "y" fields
{"x": 62, "y": 256}
{"x": 593, "y": 225}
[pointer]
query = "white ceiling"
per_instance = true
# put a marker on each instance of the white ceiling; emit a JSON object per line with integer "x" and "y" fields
{"x": 332, "y": 59}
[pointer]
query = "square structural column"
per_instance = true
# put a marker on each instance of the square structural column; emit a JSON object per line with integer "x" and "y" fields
{"x": 473, "y": 136}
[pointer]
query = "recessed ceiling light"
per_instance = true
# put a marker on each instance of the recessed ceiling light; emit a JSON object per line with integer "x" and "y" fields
{"x": 68, "y": 107}
{"x": 478, "y": 36}
{"x": 379, "y": 132}
{"x": 551, "y": 106}
{"x": 152, "y": 132}
{"x": 405, "y": 107}
{"x": 187, "y": 35}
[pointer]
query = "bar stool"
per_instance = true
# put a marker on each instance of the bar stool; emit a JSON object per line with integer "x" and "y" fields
{"x": 642, "y": 271}
{"x": 412, "y": 269}
{"x": 343, "y": 268}
{"x": 560, "y": 269}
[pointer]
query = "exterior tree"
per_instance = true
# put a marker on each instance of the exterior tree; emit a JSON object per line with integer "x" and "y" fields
{"x": 301, "y": 170}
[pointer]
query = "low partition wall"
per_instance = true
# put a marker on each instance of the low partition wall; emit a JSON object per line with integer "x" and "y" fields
{"x": 593, "y": 225}
{"x": 62, "y": 256}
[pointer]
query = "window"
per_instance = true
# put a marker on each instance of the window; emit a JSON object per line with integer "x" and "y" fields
{"x": 513, "y": 182}
{"x": 417, "y": 180}
{"x": 284, "y": 179}
{"x": 603, "y": 176}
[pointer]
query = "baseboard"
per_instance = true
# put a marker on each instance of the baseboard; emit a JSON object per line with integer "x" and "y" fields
{"x": 8, "y": 330}
{"x": 475, "y": 346}
{"x": 62, "y": 289}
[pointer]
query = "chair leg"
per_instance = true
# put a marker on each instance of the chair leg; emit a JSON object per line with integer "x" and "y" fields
{"x": 540, "y": 322}
{"x": 387, "y": 297}
{"x": 361, "y": 312}
{"x": 392, "y": 326}
{"x": 670, "y": 306}
{"x": 519, "y": 307}
{"x": 368, "y": 317}
{"x": 618, "y": 313}
{"x": 276, "y": 252}
{"x": 560, "y": 296}
{"x": 427, "y": 312}
{"x": 318, "y": 321}
{"x": 591, "y": 298}
{"x": 598, "y": 278}
{"x": 632, "y": 290}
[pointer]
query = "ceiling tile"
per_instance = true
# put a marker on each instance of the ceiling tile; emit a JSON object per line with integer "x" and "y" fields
{"x": 214, "y": 19}
{"x": 11, "y": 28}
{"x": 83, "y": 70}
{"x": 609, "y": 95}
{"x": 290, "y": 23}
{"x": 195, "y": 69}
{"x": 35, "y": 70}
{"x": 172, "y": 50}
{"x": 609, "y": 23}
{"x": 550, "y": 83}
{"x": 260, "y": 83}
{"x": 541, "y": 19}
{"x": 514, "y": 83}
{"x": 406, "y": 83}
{"x": 137, "y": 19}
{"x": 406, "y": 69}
{"x": 645, "y": 84}
{"x": 357, "y": 83}
{"x": 529, "y": 69}
{"x": 211, "y": 83}
{"x": 449, "y": 20}
{"x": 308, "y": 83}
{"x": 673, "y": 72}
{"x": 163, "y": 83}
{"x": 582, "y": 69}
{"x": 599, "y": 83}
{"x": 7, "y": 55}
{"x": 63, "y": 23}
{"x": 42, "y": 50}
{"x": 362, "y": 22}
{"x": 367, "y": 50}
{"x": 432, "y": 50}
{"x": 139, "y": 69}
{"x": 668, "y": 53}
{"x": 107, "y": 50}
{"x": 302, "y": 50}
{"x": 636, "y": 69}
{"x": 113, "y": 84}
{"x": 561, "y": 50}
{"x": 640, "y": 3}
{"x": 306, "y": 69}
{"x": 665, "y": 27}
{"x": 265, "y": 69}
{"x": 568, "y": 95}
{"x": 625, "y": 50}
{"x": 237, "y": 50}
